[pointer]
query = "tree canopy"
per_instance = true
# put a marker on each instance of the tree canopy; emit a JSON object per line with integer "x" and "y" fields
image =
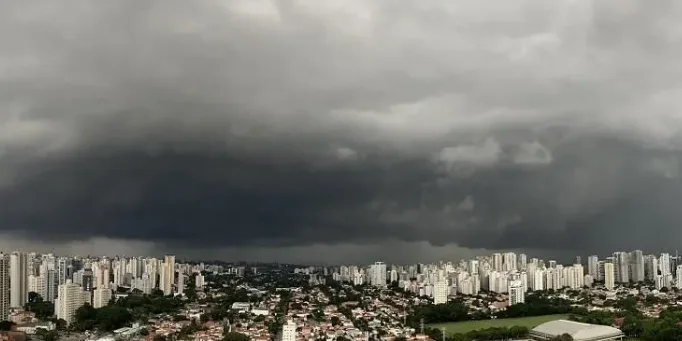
{"x": 107, "y": 318}
{"x": 43, "y": 309}
{"x": 6, "y": 325}
{"x": 235, "y": 336}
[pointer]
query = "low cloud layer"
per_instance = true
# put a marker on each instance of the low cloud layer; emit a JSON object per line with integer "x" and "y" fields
{"x": 297, "y": 124}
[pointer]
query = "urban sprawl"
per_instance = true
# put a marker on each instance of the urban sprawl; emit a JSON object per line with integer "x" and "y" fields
{"x": 503, "y": 296}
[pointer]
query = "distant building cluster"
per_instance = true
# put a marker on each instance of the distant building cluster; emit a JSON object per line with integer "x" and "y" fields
{"x": 665, "y": 270}
{"x": 515, "y": 274}
{"x": 70, "y": 282}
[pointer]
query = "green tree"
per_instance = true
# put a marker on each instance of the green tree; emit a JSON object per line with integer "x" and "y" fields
{"x": 60, "y": 324}
{"x": 335, "y": 321}
{"x": 632, "y": 326}
{"x": 6, "y": 325}
{"x": 44, "y": 310}
{"x": 111, "y": 318}
{"x": 51, "y": 335}
{"x": 234, "y": 336}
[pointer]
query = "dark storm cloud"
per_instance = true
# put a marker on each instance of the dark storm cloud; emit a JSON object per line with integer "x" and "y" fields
{"x": 215, "y": 200}
{"x": 256, "y": 123}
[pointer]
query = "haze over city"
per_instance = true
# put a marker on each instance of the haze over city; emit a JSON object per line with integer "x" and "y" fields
{"x": 340, "y": 131}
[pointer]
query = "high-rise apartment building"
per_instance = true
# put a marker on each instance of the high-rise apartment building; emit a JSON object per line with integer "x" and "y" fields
{"x": 522, "y": 262}
{"x": 516, "y": 292}
{"x": 497, "y": 262}
{"x": 441, "y": 292}
{"x": 63, "y": 264}
{"x": 71, "y": 297}
{"x": 18, "y": 266}
{"x": 37, "y": 284}
{"x": 181, "y": 283}
{"x": 167, "y": 275}
{"x": 199, "y": 281}
{"x": 593, "y": 266}
{"x": 664, "y": 264}
{"x": 101, "y": 297}
{"x": 378, "y": 274}
{"x": 88, "y": 281}
{"x": 621, "y": 263}
{"x": 637, "y": 262}
{"x": 651, "y": 268}
{"x": 52, "y": 284}
{"x": 609, "y": 276}
{"x": 509, "y": 261}
{"x": 4, "y": 286}
{"x": 678, "y": 277}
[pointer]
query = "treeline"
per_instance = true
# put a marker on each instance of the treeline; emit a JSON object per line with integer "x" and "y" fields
{"x": 457, "y": 310}
{"x": 538, "y": 305}
{"x": 122, "y": 312}
{"x": 143, "y": 306}
{"x": 452, "y": 311}
{"x": 495, "y": 333}
{"x": 104, "y": 319}
{"x": 44, "y": 310}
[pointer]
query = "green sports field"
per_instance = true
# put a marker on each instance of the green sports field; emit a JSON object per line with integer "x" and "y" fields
{"x": 467, "y": 326}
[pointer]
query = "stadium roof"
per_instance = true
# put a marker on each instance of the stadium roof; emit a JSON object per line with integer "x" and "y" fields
{"x": 579, "y": 331}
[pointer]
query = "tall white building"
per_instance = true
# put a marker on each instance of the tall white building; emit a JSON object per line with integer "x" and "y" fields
{"x": 473, "y": 267}
{"x": 288, "y": 331}
{"x": 664, "y": 264}
{"x": 609, "y": 276}
{"x": 167, "y": 275}
{"x": 378, "y": 274}
{"x": 101, "y": 297}
{"x": 144, "y": 283}
{"x": 497, "y": 262}
{"x": 637, "y": 262}
{"x": 440, "y": 292}
{"x": 71, "y": 297}
{"x": 18, "y": 265}
{"x": 622, "y": 266}
{"x": 523, "y": 261}
{"x": 509, "y": 261}
{"x": 593, "y": 266}
{"x": 181, "y": 283}
{"x": 4, "y": 287}
{"x": 659, "y": 282}
{"x": 516, "y": 292}
{"x": 199, "y": 281}
{"x": 37, "y": 284}
{"x": 651, "y": 268}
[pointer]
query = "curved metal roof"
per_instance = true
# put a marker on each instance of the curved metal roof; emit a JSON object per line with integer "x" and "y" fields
{"x": 579, "y": 331}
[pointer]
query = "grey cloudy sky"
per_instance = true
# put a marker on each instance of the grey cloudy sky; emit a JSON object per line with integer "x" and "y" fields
{"x": 334, "y": 130}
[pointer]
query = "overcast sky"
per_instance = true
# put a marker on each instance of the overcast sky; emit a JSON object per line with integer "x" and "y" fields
{"x": 340, "y": 130}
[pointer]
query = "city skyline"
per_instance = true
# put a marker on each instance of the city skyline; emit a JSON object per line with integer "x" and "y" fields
{"x": 499, "y": 259}
{"x": 310, "y": 131}
{"x": 70, "y": 282}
